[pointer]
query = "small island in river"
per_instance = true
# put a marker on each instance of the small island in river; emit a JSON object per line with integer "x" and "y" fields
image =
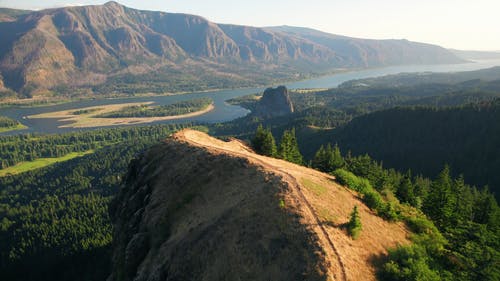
{"x": 128, "y": 113}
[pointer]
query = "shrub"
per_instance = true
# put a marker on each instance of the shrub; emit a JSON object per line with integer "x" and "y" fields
{"x": 373, "y": 200}
{"x": 345, "y": 177}
{"x": 388, "y": 211}
{"x": 408, "y": 263}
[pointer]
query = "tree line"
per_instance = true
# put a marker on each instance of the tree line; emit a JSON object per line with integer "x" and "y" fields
{"x": 264, "y": 143}
{"x": 6, "y": 122}
{"x": 28, "y": 147}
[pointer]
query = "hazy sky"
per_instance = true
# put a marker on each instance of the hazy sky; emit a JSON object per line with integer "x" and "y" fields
{"x": 461, "y": 24}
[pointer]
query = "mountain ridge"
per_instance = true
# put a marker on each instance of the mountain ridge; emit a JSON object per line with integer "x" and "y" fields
{"x": 264, "y": 207}
{"x": 91, "y": 45}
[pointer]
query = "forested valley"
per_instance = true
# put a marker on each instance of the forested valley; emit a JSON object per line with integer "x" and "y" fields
{"x": 55, "y": 219}
{"x": 421, "y": 153}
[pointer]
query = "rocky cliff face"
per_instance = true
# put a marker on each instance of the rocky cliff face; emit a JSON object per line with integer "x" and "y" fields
{"x": 197, "y": 208}
{"x": 274, "y": 102}
{"x": 85, "y": 45}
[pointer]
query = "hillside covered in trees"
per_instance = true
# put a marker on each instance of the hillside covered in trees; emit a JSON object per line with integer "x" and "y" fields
{"x": 423, "y": 139}
{"x": 54, "y": 220}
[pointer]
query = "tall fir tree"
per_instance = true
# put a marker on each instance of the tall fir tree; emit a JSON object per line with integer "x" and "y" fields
{"x": 464, "y": 201}
{"x": 329, "y": 159}
{"x": 405, "y": 191}
{"x": 289, "y": 148}
{"x": 439, "y": 204}
{"x": 263, "y": 142}
{"x": 269, "y": 146}
{"x": 319, "y": 160}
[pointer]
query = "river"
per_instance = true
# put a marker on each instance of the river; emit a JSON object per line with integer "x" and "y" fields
{"x": 224, "y": 112}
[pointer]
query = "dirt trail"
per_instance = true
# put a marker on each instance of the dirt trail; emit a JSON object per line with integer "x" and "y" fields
{"x": 347, "y": 259}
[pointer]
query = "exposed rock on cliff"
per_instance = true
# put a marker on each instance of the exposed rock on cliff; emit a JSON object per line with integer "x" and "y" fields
{"x": 86, "y": 45}
{"x": 274, "y": 102}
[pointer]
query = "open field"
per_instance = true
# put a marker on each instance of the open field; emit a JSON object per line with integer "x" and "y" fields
{"x": 86, "y": 117}
{"x": 40, "y": 163}
{"x": 15, "y": 128}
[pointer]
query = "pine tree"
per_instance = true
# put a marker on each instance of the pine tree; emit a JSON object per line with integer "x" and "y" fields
{"x": 464, "y": 201}
{"x": 487, "y": 210}
{"x": 263, "y": 142}
{"x": 354, "y": 225}
{"x": 405, "y": 191}
{"x": 329, "y": 159}
{"x": 335, "y": 159}
{"x": 319, "y": 160}
{"x": 269, "y": 145}
{"x": 258, "y": 139}
{"x": 439, "y": 204}
{"x": 289, "y": 148}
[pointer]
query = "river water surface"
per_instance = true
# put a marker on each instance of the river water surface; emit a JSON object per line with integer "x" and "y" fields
{"x": 223, "y": 112}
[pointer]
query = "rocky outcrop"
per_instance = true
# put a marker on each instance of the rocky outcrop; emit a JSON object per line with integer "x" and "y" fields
{"x": 274, "y": 102}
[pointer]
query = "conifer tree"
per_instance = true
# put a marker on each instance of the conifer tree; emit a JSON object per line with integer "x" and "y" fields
{"x": 335, "y": 159}
{"x": 354, "y": 224}
{"x": 269, "y": 145}
{"x": 439, "y": 204}
{"x": 405, "y": 191}
{"x": 329, "y": 159}
{"x": 464, "y": 201}
{"x": 263, "y": 142}
{"x": 319, "y": 160}
{"x": 289, "y": 148}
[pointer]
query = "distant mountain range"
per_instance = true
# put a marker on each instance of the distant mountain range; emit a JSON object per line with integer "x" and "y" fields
{"x": 477, "y": 55}
{"x": 87, "y": 46}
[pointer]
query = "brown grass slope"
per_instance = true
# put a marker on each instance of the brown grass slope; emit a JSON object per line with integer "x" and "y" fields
{"x": 197, "y": 208}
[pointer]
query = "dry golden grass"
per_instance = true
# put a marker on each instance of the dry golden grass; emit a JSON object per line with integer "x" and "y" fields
{"x": 324, "y": 206}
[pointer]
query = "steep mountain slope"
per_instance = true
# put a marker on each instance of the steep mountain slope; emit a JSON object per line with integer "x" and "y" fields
{"x": 425, "y": 139}
{"x": 7, "y": 14}
{"x": 197, "y": 208}
{"x": 356, "y": 52}
{"x": 89, "y": 45}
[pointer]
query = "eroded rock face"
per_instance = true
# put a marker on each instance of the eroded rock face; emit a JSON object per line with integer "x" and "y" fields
{"x": 274, "y": 102}
{"x": 187, "y": 213}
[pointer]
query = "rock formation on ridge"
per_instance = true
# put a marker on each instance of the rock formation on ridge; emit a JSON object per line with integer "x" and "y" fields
{"x": 274, "y": 102}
